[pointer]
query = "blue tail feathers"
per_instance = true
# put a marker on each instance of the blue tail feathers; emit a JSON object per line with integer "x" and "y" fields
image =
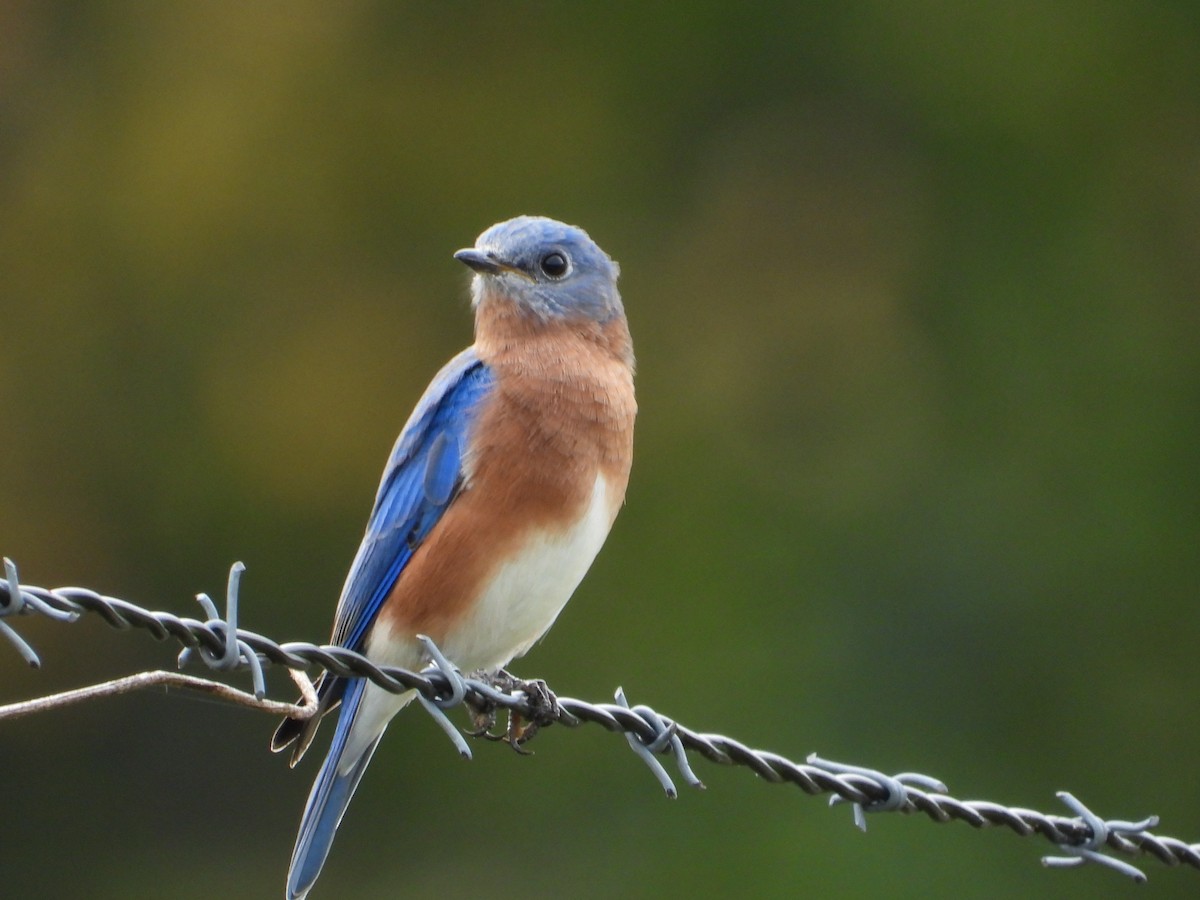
{"x": 330, "y": 795}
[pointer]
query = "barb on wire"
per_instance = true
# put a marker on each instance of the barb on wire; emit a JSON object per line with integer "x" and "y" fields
{"x": 1089, "y": 850}
{"x": 1082, "y": 838}
{"x": 17, "y": 602}
{"x": 236, "y": 652}
{"x": 437, "y": 706}
{"x": 665, "y": 735}
{"x": 895, "y": 786}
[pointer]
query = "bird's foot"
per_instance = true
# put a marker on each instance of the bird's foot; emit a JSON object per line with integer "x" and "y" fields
{"x": 543, "y": 710}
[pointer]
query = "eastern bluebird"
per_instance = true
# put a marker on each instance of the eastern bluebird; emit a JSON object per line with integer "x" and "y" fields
{"x": 498, "y": 494}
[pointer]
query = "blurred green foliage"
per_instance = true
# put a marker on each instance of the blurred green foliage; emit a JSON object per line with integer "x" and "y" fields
{"x": 914, "y": 289}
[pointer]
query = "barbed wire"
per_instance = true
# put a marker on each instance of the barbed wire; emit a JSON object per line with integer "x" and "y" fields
{"x": 222, "y": 645}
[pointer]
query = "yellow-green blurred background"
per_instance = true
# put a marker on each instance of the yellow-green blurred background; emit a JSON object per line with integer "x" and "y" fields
{"x": 915, "y": 290}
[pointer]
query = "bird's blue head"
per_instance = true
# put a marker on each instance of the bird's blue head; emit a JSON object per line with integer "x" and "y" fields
{"x": 546, "y": 268}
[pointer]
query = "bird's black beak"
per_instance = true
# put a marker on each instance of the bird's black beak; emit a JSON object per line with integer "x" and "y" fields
{"x": 480, "y": 261}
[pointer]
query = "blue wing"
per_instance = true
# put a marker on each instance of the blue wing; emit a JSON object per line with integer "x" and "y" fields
{"x": 419, "y": 483}
{"x": 421, "y": 480}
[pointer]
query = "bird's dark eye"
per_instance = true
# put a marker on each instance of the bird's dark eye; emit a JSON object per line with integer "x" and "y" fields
{"x": 554, "y": 264}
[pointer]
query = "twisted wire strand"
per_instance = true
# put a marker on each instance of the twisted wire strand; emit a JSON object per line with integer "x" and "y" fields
{"x": 1081, "y": 836}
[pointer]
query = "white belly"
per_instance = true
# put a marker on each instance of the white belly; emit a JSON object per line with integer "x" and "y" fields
{"x": 526, "y": 594}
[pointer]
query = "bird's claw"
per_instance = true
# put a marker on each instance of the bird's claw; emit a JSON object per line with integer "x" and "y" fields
{"x": 483, "y": 717}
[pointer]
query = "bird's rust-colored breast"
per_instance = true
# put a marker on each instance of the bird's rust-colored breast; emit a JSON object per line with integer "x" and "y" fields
{"x": 561, "y": 414}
